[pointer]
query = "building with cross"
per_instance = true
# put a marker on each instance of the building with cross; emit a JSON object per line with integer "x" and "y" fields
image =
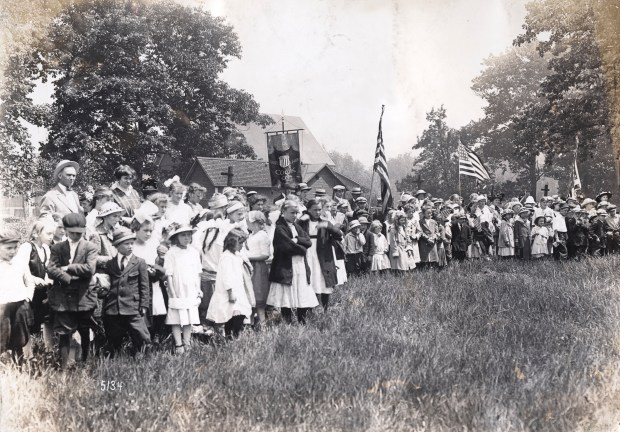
{"x": 318, "y": 169}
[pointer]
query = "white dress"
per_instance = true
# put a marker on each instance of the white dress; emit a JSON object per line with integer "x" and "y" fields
{"x": 297, "y": 295}
{"x": 180, "y": 213}
{"x": 380, "y": 259}
{"x": 229, "y": 276}
{"x": 183, "y": 266}
{"x": 317, "y": 280}
{"x": 148, "y": 252}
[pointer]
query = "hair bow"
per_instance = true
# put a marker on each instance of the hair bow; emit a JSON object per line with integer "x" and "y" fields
{"x": 168, "y": 182}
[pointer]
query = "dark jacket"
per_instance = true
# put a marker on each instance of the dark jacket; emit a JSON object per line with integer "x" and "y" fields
{"x": 283, "y": 250}
{"x": 73, "y": 290}
{"x": 129, "y": 288}
{"x": 523, "y": 244}
{"x": 461, "y": 237}
{"x": 370, "y": 247}
{"x": 325, "y": 239}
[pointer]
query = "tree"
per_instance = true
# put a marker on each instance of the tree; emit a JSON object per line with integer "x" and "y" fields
{"x": 136, "y": 80}
{"x": 400, "y": 166}
{"x": 438, "y": 159}
{"x": 352, "y": 168}
{"x": 510, "y": 84}
{"x": 576, "y": 104}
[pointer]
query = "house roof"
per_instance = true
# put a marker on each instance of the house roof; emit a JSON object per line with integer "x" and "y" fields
{"x": 245, "y": 172}
{"x": 311, "y": 151}
{"x": 308, "y": 172}
{"x": 255, "y": 173}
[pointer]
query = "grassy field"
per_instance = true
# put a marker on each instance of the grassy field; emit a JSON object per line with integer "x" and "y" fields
{"x": 502, "y": 346}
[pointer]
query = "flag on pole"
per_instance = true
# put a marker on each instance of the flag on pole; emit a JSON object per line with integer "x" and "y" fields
{"x": 380, "y": 167}
{"x": 470, "y": 164}
{"x": 576, "y": 181}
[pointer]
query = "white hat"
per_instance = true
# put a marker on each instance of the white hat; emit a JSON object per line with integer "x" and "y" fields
{"x": 110, "y": 208}
{"x": 181, "y": 229}
{"x": 64, "y": 164}
{"x": 530, "y": 200}
{"x": 354, "y": 224}
{"x": 218, "y": 200}
{"x": 234, "y": 207}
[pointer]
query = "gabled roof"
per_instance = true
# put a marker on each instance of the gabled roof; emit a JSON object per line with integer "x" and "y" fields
{"x": 308, "y": 172}
{"x": 311, "y": 151}
{"x": 245, "y": 172}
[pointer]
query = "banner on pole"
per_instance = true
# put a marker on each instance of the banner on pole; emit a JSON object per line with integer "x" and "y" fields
{"x": 284, "y": 159}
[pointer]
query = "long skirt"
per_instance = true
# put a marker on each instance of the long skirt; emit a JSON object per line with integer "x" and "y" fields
{"x": 317, "y": 280}
{"x": 297, "y": 295}
{"x": 15, "y": 319}
{"x": 159, "y": 305}
{"x": 260, "y": 282}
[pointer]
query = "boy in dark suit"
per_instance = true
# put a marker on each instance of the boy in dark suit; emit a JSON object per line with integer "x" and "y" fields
{"x": 126, "y": 302}
{"x": 73, "y": 296}
{"x": 461, "y": 237}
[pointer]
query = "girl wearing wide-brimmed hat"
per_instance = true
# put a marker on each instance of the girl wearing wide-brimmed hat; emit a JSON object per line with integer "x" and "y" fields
{"x": 109, "y": 215}
{"x": 401, "y": 250}
{"x": 540, "y": 237}
{"x": 183, "y": 270}
{"x": 506, "y": 238}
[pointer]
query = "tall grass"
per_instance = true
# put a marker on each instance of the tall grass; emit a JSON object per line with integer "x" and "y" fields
{"x": 502, "y": 346}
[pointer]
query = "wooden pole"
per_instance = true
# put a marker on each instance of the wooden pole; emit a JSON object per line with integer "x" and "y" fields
{"x": 372, "y": 179}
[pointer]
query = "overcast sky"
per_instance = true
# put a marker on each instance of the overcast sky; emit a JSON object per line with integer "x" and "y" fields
{"x": 334, "y": 62}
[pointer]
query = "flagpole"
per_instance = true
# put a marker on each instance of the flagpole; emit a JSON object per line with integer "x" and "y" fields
{"x": 458, "y": 160}
{"x": 372, "y": 179}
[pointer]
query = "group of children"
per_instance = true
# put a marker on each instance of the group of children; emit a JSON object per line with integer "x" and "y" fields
{"x": 140, "y": 269}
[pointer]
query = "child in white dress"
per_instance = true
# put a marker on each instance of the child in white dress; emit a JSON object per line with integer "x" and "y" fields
{"x": 232, "y": 298}
{"x": 183, "y": 270}
{"x": 380, "y": 259}
{"x": 540, "y": 237}
{"x": 145, "y": 247}
{"x": 258, "y": 250}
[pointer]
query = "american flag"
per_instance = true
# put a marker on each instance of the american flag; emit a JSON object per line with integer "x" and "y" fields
{"x": 470, "y": 164}
{"x": 380, "y": 167}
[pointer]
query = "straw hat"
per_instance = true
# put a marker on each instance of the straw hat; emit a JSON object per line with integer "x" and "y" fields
{"x": 181, "y": 229}
{"x": 110, "y": 208}
{"x": 354, "y": 224}
{"x": 218, "y": 200}
{"x": 64, "y": 164}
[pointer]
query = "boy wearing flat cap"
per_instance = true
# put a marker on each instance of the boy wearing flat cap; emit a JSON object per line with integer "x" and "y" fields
{"x": 126, "y": 302}
{"x": 73, "y": 296}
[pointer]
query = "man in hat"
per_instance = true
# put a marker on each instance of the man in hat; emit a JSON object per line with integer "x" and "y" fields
{"x": 356, "y": 192}
{"x": 301, "y": 191}
{"x": 338, "y": 194}
{"x": 612, "y": 228}
{"x": 73, "y": 295}
{"x": 362, "y": 207}
{"x": 320, "y": 193}
{"x": 62, "y": 199}
{"x": 126, "y": 302}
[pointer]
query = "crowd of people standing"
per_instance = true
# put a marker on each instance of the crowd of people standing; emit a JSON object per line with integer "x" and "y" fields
{"x": 117, "y": 265}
